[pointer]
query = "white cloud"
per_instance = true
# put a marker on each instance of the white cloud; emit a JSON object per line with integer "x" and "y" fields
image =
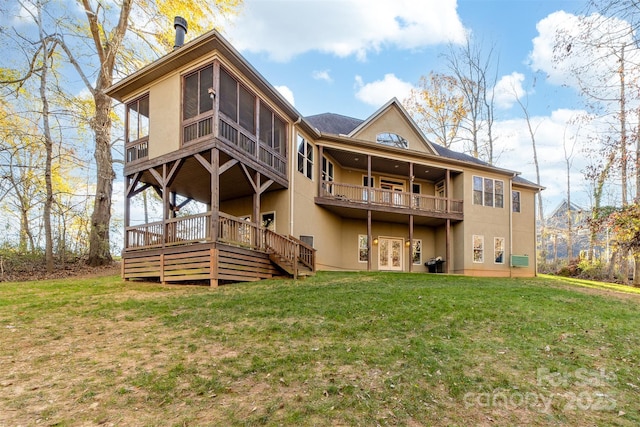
{"x": 282, "y": 28}
{"x": 567, "y": 43}
{"x": 287, "y": 93}
{"x": 379, "y": 92}
{"x": 322, "y": 75}
{"x": 507, "y": 89}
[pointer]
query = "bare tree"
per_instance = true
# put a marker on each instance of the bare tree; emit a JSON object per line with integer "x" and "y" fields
{"x": 476, "y": 74}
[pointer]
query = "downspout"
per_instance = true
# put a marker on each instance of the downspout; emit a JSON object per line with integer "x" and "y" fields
{"x": 292, "y": 173}
{"x": 511, "y": 224}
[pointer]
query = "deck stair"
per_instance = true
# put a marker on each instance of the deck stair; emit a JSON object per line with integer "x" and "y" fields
{"x": 291, "y": 255}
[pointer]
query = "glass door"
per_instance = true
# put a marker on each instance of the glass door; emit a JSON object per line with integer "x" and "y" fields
{"x": 390, "y": 254}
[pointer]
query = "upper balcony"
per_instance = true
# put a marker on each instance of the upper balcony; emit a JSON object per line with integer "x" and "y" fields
{"x": 351, "y": 200}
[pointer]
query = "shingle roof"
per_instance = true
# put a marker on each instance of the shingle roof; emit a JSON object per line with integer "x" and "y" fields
{"x": 333, "y": 123}
{"x": 342, "y": 125}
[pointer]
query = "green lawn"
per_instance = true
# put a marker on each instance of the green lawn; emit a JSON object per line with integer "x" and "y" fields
{"x": 336, "y": 349}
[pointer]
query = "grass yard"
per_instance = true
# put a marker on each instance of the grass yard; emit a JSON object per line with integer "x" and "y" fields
{"x": 338, "y": 349}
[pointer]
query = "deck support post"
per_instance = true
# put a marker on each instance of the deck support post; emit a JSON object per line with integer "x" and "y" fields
{"x": 162, "y": 270}
{"x": 410, "y": 191}
{"x": 369, "y": 240}
{"x": 215, "y": 194}
{"x": 213, "y": 266}
{"x": 410, "y": 243}
{"x": 447, "y": 255}
{"x": 256, "y": 201}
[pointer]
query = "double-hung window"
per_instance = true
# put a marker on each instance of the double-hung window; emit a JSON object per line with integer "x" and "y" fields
{"x": 363, "y": 248}
{"x": 417, "y": 252}
{"x": 305, "y": 157}
{"x": 478, "y": 249}
{"x": 488, "y": 192}
{"x": 327, "y": 174}
{"x": 498, "y": 250}
{"x": 515, "y": 201}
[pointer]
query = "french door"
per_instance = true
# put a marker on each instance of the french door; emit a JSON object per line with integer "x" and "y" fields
{"x": 390, "y": 254}
{"x": 392, "y": 193}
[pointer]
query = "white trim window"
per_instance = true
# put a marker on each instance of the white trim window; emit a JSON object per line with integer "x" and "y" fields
{"x": 488, "y": 192}
{"x": 305, "y": 157}
{"x": 416, "y": 253}
{"x": 478, "y": 249}
{"x": 498, "y": 250}
{"x": 366, "y": 182}
{"x": 515, "y": 201}
{"x": 363, "y": 248}
{"x": 268, "y": 220}
{"x": 307, "y": 239}
{"x": 327, "y": 174}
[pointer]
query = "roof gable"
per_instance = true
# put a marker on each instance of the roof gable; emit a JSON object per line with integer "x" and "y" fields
{"x": 393, "y": 118}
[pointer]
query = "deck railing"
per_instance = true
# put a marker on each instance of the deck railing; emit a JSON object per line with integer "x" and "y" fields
{"x": 188, "y": 229}
{"x": 137, "y": 150}
{"x": 231, "y": 230}
{"x": 398, "y": 199}
{"x": 177, "y": 231}
{"x": 237, "y": 231}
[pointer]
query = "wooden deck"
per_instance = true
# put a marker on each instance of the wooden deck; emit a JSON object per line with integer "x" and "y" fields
{"x": 216, "y": 263}
{"x": 181, "y": 250}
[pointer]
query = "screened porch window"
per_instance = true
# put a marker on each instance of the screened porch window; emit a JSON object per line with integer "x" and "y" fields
{"x": 272, "y": 129}
{"x": 196, "y": 99}
{"x": 237, "y": 103}
{"x": 138, "y": 119}
{"x": 197, "y": 104}
{"x": 137, "y": 133}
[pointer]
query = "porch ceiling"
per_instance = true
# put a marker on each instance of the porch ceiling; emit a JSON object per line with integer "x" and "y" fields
{"x": 193, "y": 180}
{"x": 384, "y": 165}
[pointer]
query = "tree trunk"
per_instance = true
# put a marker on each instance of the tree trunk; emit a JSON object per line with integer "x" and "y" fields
{"x": 48, "y": 143}
{"x": 99, "y": 244}
{"x": 636, "y": 269}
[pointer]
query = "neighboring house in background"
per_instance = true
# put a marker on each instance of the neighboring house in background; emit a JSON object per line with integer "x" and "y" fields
{"x": 555, "y": 241}
{"x": 288, "y": 195}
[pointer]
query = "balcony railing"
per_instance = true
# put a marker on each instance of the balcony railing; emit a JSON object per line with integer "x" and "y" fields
{"x": 137, "y": 150}
{"x": 389, "y": 198}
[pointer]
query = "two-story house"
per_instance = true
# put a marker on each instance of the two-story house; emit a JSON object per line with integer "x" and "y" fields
{"x": 288, "y": 195}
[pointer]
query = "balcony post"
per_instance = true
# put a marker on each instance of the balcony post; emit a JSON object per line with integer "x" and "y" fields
{"x": 369, "y": 183}
{"x": 320, "y": 178}
{"x": 448, "y": 190}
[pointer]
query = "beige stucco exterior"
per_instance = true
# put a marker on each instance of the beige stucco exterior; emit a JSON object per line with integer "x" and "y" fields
{"x": 333, "y": 221}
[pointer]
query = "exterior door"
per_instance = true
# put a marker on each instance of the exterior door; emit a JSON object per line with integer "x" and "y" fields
{"x": 390, "y": 254}
{"x": 392, "y": 191}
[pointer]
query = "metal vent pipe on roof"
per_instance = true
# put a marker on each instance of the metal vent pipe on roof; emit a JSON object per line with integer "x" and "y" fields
{"x": 180, "y": 24}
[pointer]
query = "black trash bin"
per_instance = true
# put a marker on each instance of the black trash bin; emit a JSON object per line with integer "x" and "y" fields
{"x": 434, "y": 265}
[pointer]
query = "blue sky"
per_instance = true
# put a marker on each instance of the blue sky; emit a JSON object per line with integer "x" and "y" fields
{"x": 351, "y": 56}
